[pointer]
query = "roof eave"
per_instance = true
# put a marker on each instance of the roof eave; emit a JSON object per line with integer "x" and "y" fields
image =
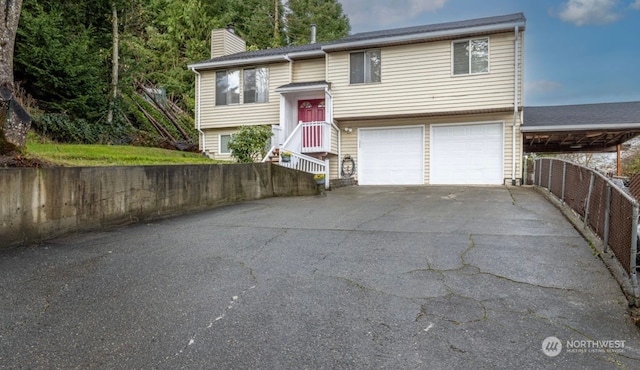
{"x": 423, "y": 36}
{"x": 238, "y": 62}
{"x": 306, "y": 54}
{"x": 557, "y": 128}
{"x": 314, "y": 87}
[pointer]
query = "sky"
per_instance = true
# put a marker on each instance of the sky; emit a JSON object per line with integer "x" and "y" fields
{"x": 576, "y": 51}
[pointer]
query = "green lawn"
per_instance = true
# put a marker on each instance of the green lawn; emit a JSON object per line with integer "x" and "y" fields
{"x": 110, "y": 155}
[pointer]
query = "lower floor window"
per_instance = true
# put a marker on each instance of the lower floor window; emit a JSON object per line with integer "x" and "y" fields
{"x": 224, "y": 144}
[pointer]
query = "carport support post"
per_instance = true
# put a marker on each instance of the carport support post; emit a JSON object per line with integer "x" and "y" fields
{"x": 607, "y": 217}
{"x": 634, "y": 252}
{"x": 588, "y": 200}
{"x": 564, "y": 178}
{"x": 524, "y": 170}
{"x": 550, "y": 168}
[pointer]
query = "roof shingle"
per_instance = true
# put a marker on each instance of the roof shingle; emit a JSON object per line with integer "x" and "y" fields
{"x": 372, "y": 36}
{"x": 585, "y": 114}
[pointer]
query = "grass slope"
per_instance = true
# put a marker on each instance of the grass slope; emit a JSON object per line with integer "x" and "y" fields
{"x": 72, "y": 155}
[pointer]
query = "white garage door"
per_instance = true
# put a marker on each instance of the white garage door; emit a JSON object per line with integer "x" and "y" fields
{"x": 467, "y": 154}
{"x": 391, "y": 156}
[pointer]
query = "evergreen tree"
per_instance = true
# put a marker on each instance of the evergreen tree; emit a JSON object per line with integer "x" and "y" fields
{"x": 331, "y": 22}
{"x": 61, "y": 61}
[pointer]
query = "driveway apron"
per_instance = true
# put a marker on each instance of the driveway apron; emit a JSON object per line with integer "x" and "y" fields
{"x": 362, "y": 278}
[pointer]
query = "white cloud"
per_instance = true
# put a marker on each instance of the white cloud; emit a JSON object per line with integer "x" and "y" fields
{"x": 636, "y": 5}
{"x": 584, "y": 12}
{"x": 370, "y": 14}
{"x": 541, "y": 86}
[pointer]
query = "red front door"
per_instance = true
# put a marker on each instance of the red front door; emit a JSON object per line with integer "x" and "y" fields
{"x": 311, "y": 111}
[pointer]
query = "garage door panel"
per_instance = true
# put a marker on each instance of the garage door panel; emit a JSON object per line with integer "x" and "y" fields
{"x": 391, "y": 156}
{"x": 467, "y": 154}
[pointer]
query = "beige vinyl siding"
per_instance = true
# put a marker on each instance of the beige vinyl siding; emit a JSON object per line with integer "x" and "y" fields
{"x": 350, "y": 141}
{"x": 242, "y": 114}
{"x": 212, "y": 140}
{"x": 334, "y": 141}
{"x": 309, "y": 70}
{"x": 417, "y": 79}
{"x": 334, "y": 167}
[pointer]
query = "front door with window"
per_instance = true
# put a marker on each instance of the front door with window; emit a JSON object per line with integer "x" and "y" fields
{"x": 311, "y": 112}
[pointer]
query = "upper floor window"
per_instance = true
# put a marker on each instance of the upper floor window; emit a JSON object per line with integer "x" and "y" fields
{"x": 471, "y": 56}
{"x": 255, "y": 85}
{"x": 364, "y": 67}
{"x": 227, "y": 87}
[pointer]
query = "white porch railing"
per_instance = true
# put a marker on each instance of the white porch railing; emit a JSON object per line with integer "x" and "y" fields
{"x": 277, "y": 135}
{"x": 301, "y": 162}
{"x": 316, "y": 137}
{"x": 307, "y": 137}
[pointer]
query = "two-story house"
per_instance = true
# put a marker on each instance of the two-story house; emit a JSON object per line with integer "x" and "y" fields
{"x": 433, "y": 104}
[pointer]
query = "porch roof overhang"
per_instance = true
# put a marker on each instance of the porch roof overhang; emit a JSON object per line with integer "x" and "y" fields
{"x": 303, "y": 86}
{"x": 579, "y": 128}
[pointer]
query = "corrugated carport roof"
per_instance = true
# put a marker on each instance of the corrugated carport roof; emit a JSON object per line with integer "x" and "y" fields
{"x": 580, "y": 128}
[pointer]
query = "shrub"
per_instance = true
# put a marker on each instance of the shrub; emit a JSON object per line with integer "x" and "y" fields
{"x": 61, "y": 128}
{"x": 249, "y": 144}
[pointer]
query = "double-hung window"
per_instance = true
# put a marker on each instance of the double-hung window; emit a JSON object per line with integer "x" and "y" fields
{"x": 471, "y": 56}
{"x": 227, "y": 87}
{"x": 364, "y": 67}
{"x": 255, "y": 85}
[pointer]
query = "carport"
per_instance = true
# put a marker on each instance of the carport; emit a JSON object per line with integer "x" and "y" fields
{"x": 580, "y": 128}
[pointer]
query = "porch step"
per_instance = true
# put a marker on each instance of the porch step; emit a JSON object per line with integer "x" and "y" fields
{"x": 274, "y": 156}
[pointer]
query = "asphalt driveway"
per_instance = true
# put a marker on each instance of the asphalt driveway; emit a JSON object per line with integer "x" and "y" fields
{"x": 366, "y": 277}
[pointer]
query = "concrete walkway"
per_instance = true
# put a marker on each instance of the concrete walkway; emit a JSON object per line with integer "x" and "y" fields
{"x": 366, "y": 277}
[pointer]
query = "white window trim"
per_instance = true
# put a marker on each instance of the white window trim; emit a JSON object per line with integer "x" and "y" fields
{"x": 220, "y": 143}
{"x": 471, "y": 74}
{"x": 364, "y": 83}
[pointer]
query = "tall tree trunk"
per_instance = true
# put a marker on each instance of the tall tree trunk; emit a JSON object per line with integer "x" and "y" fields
{"x": 276, "y": 28}
{"x": 114, "y": 63}
{"x": 14, "y": 120}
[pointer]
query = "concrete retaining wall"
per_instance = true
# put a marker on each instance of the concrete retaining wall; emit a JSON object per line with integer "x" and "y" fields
{"x": 42, "y": 203}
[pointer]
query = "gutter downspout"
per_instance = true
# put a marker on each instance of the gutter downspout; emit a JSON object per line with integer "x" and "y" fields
{"x": 288, "y": 59}
{"x": 284, "y": 119}
{"x": 198, "y": 102}
{"x": 515, "y": 107}
{"x": 328, "y": 172}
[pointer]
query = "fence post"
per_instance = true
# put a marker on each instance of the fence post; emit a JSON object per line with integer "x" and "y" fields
{"x": 564, "y": 178}
{"x": 588, "y": 200}
{"x": 525, "y": 174}
{"x": 634, "y": 252}
{"x": 550, "y": 168}
{"x": 607, "y": 217}
{"x": 539, "y": 173}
